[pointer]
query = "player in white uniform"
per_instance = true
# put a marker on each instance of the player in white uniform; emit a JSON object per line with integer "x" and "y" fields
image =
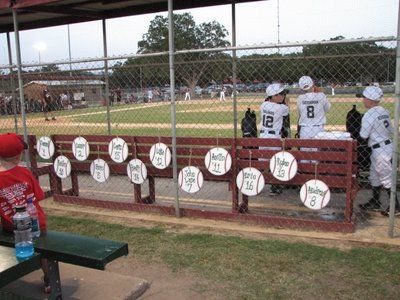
{"x": 222, "y": 94}
{"x": 312, "y": 107}
{"x": 272, "y": 111}
{"x": 376, "y": 126}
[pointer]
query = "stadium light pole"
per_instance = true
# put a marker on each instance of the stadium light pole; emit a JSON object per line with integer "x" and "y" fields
{"x": 69, "y": 51}
{"x": 39, "y": 47}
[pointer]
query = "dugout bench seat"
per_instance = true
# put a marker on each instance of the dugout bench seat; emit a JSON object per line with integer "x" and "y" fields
{"x": 337, "y": 167}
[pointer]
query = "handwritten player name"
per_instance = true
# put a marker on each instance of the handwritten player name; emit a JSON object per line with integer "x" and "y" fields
{"x": 62, "y": 163}
{"x": 45, "y": 144}
{"x": 315, "y": 190}
{"x": 249, "y": 176}
{"x": 80, "y": 146}
{"x": 159, "y": 151}
{"x": 218, "y": 157}
{"x": 190, "y": 176}
{"x": 99, "y": 168}
{"x": 118, "y": 147}
{"x": 135, "y": 168}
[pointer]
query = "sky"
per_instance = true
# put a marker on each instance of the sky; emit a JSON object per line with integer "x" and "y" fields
{"x": 256, "y": 23}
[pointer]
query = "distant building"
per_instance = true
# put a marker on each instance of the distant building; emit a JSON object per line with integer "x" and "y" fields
{"x": 87, "y": 91}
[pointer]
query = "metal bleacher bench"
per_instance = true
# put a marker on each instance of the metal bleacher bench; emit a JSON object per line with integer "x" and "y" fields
{"x": 73, "y": 249}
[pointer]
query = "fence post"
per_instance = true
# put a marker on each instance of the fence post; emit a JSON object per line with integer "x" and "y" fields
{"x": 234, "y": 70}
{"x": 173, "y": 108}
{"x": 14, "y": 98}
{"x": 21, "y": 88}
{"x": 395, "y": 133}
{"x": 106, "y": 76}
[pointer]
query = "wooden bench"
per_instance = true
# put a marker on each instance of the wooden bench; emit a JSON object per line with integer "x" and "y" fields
{"x": 337, "y": 167}
{"x": 188, "y": 149}
{"x": 335, "y": 163}
{"x": 73, "y": 249}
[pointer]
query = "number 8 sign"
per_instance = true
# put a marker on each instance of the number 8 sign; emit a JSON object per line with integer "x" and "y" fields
{"x": 315, "y": 194}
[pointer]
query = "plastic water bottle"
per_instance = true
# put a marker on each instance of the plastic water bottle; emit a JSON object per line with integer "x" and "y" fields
{"x": 22, "y": 233}
{"x": 32, "y": 211}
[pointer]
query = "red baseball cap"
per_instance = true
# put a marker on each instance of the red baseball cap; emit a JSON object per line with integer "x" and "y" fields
{"x": 11, "y": 145}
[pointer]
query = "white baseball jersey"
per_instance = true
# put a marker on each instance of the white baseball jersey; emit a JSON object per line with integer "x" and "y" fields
{"x": 376, "y": 125}
{"x": 272, "y": 117}
{"x": 312, "y": 108}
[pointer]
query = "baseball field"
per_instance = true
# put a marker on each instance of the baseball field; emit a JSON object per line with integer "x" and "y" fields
{"x": 199, "y": 117}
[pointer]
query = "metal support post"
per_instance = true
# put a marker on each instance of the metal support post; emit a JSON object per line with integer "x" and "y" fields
{"x": 173, "y": 108}
{"x": 106, "y": 76}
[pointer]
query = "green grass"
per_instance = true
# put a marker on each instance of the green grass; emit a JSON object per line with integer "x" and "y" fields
{"x": 257, "y": 269}
{"x": 186, "y": 113}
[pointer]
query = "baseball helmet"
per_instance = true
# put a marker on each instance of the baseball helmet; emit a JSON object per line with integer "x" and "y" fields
{"x": 275, "y": 89}
{"x": 305, "y": 83}
{"x": 373, "y": 93}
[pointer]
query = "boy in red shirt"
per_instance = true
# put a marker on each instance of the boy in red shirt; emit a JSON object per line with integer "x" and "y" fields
{"x": 16, "y": 185}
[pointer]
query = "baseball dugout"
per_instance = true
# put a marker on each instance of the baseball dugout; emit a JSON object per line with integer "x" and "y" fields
{"x": 337, "y": 167}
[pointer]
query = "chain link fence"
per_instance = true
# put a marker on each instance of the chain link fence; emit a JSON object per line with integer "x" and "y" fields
{"x": 72, "y": 98}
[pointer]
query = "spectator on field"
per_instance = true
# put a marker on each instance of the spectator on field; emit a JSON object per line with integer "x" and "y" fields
{"x": 48, "y": 105}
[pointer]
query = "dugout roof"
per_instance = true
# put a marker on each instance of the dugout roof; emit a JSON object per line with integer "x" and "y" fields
{"x": 33, "y": 14}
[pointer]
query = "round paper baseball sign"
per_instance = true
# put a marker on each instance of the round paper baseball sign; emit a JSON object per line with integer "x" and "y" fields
{"x": 99, "y": 170}
{"x": 190, "y": 179}
{"x": 62, "y": 166}
{"x": 118, "y": 150}
{"x": 218, "y": 161}
{"x": 315, "y": 194}
{"x": 283, "y": 166}
{"x": 160, "y": 155}
{"x": 250, "y": 181}
{"x": 137, "y": 171}
{"x": 45, "y": 147}
{"x": 80, "y": 148}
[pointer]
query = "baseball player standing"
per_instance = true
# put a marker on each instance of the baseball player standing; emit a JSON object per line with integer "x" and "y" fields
{"x": 272, "y": 111}
{"x": 312, "y": 107}
{"x": 222, "y": 94}
{"x": 376, "y": 126}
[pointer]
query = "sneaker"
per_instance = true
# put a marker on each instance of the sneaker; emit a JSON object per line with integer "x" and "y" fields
{"x": 386, "y": 212}
{"x": 47, "y": 119}
{"x": 371, "y": 205}
{"x": 53, "y": 118}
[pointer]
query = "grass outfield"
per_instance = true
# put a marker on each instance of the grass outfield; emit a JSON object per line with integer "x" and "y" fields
{"x": 203, "y": 118}
{"x": 244, "y": 268}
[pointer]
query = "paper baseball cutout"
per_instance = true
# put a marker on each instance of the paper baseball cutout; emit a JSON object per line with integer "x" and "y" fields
{"x": 62, "y": 166}
{"x": 218, "y": 161}
{"x": 80, "y": 148}
{"x": 99, "y": 170}
{"x": 283, "y": 166}
{"x": 45, "y": 147}
{"x": 137, "y": 171}
{"x": 118, "y": 150}
{"x": 190, "y": 179}
{"x": 160, "y": 156}
{"x": 315, "y": 194}
{"x": 250, "y": 181}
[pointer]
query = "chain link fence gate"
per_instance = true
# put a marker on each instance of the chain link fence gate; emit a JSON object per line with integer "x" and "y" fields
{"x": 139, "y": 105}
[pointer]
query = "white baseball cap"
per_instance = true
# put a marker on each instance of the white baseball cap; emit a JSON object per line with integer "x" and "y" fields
{"x": 305, "y": 83}
{"x": 274, "y": 89}
{"x": 373, "y": 93}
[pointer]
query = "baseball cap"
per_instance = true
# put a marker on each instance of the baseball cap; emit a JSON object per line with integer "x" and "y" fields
{"x": 305, "y": 83}
{"x": 11, "y": 145}
{"x": 373, "y": 93}
{"x": 275, "y": 89}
